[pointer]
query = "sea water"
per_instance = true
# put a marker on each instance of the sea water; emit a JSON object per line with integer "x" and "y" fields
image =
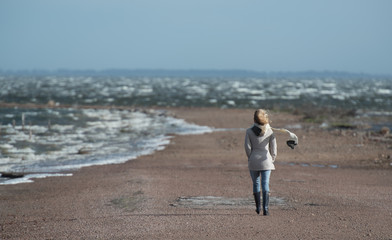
{"x": 373, "y": 94}
{"x": 57, "y": 140}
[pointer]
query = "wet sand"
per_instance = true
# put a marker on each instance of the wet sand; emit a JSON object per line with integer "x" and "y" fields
{"x": 334, "y": 185}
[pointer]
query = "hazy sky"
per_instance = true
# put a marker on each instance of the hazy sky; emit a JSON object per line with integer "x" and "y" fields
{"x": 261, "y": 35}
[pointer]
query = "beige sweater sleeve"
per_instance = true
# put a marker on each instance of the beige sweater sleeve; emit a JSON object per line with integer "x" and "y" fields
{"x": 273, "y": 147}
{"x": 247, "y": 145}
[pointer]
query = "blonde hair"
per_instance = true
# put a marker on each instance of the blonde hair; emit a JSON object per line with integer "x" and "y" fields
{"x": 261, "y": 117}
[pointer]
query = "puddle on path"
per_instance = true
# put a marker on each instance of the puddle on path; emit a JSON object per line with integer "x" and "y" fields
{"x": 334, "y": 166}
{"x": 207, "y": 202}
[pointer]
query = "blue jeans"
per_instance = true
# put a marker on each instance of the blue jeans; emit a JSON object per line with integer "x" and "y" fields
{"x": 265, "y": 176}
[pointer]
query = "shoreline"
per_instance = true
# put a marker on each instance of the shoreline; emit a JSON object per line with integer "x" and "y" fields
{"x": 305, "y": 121}
{"x": 145, "y": 198}
{"x": 38, "y": 148}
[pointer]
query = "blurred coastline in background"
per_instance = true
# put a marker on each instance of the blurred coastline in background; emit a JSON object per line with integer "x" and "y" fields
{"x": 59, "y": 121}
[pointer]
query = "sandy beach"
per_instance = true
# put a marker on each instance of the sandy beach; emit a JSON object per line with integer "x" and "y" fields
{"x": 337, "y": 184}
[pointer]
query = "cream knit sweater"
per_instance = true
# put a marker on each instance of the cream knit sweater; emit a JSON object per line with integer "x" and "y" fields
{"x": 261, "y": 150}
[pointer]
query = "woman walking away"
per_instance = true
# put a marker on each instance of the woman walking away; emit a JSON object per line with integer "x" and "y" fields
{"x": 261, "y": 150}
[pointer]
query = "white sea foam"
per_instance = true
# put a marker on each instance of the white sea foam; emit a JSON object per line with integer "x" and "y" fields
{"x": 384, "y": 91}
{"x": 108, "y": 137}
{"x": 231, "y": 102}
{"x": 329, "y": 85}
{"x": 28, "y": 178}
{"x": 339, "y": 97}
{"x": 328, "y": 92}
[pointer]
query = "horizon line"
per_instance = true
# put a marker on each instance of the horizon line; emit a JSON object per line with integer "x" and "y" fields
{"x": 196, "y": 71}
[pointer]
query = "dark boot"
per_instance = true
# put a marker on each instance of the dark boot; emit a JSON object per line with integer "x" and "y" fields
{"x": 257, "y": 201}
{"x": 265, "y": 203}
